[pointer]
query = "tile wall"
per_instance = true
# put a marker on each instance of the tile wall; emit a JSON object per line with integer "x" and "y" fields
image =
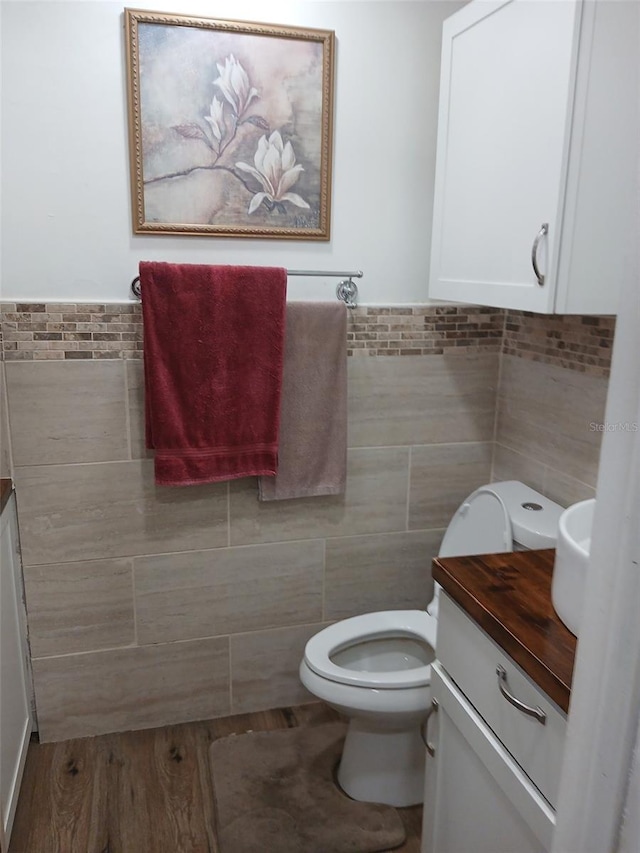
{"x": 153, "y": 605}
{"x": 551, "y": 402}
{"x": 5, "y": 442}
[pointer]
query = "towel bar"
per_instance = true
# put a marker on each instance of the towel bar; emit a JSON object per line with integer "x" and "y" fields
{"x": 347, "y": 290}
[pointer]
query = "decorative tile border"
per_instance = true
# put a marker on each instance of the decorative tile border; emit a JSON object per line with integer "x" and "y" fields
{"x": 424, "y": 330}
{"x": 38, "y": 331}
{"x": 577, "y": 342}
{"x": 44, "y": 331}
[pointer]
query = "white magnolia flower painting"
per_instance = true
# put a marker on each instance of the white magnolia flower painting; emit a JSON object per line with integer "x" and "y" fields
{"x": 277, "y": 171}
{"x": 230, "y": 127}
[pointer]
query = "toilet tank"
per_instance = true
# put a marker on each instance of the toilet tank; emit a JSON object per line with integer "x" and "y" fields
{"x": 500, "y": 517}
{"x": 534, "y": 518}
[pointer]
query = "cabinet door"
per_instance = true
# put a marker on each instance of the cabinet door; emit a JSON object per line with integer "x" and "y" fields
{"x": 506, "y": 87}
{"x": 477, "y": 798}
{"x": 15, "y": 713}
{"x": 601, "y": 219}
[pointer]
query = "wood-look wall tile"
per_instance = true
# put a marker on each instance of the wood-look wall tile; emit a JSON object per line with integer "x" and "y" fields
{"x": 566, "y": 490}
{"x": 374, "y": 502}
{"x": 135, "y": 398}
{"x": 442, "y": 475}
{"x": 554, "y": 447}
{"x": 68, "y": 411}
{"x": 79, "y": 607}
{"x": 228, "y": 590}
{"x": 86, "y": 512}
{"x": 391, "y": 571}
{"x": 5, "y": 442}
{"x": 508, "y": 464}
{"x": 422, "y": 399}
{"x": 264, "y": 668}
{"x": 546, "y": 412}
{"x": 136, "y": 688}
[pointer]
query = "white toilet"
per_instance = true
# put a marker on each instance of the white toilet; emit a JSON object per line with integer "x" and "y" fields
{"x": 375, "y": 668}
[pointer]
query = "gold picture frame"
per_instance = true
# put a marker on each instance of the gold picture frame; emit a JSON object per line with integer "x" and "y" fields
{"x": 230, "y": 127}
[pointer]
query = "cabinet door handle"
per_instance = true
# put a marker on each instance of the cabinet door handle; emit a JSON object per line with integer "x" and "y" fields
{"x": 544, "y": 230}
{"x": 424, "y": 730}
{"x": 538, "y": 713}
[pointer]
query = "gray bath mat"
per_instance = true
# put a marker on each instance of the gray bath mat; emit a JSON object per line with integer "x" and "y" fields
{"x": 274, "y": 793}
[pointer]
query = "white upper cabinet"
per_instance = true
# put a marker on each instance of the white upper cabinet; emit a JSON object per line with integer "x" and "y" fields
{"x": 537, "y": 155}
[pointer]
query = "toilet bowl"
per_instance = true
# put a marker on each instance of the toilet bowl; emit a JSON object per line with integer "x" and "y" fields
{"x": 376, "y": 668}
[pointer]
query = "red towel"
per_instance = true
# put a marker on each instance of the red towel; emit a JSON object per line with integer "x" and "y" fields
{"x": 213, "y": 353}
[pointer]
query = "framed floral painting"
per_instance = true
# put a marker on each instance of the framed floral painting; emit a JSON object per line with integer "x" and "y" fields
{"x": 230, "y": 127}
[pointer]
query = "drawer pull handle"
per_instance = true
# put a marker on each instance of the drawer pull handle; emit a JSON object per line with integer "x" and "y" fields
{"x": 424, "y": 730}
{"x": 544, "y": 230}
{"x": 538, "y": 713}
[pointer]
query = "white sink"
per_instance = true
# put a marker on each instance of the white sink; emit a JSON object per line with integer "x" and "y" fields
{"x": 572, "y": 559}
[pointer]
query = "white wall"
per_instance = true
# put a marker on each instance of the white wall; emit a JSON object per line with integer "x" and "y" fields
{"x": 65, "y": 177}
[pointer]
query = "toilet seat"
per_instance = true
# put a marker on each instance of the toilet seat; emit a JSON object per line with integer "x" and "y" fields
{"x": 480, "y": 525}
{"x": 413, "y": 624}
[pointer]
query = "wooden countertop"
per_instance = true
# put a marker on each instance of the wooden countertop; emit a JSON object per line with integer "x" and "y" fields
{"x": 6, "y": 485}
{"x": 509, "y": 596}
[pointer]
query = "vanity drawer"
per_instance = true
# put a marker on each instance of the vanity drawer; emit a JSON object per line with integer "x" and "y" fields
{"x": 471, "y": 658}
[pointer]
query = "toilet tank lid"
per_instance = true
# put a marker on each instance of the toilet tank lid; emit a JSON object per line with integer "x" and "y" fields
{"x": 531, "y": 526}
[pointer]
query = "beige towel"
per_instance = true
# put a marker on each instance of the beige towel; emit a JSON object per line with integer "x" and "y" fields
{"x": 312, "y": 455}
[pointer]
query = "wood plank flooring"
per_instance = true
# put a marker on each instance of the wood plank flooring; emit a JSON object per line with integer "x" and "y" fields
{"x": 141, "y": 792}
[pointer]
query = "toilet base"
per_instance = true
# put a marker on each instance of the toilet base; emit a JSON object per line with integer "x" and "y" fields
{"x": 382, "y": 766}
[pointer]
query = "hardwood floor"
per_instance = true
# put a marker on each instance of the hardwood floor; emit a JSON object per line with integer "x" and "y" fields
{"x": 141, "y": 792}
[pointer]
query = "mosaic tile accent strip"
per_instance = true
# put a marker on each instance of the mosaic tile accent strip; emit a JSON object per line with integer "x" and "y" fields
{"x": 581, "y": 343}
{"x": 44, "y": 331}
{"x": 424, "y": 330}
{"x": 37, "y": 331}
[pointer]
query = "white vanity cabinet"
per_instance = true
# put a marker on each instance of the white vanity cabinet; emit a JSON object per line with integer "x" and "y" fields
{"x": 492, "y": 769}
{"x": 15, "y": 680}
{"x": 537, "y": 155}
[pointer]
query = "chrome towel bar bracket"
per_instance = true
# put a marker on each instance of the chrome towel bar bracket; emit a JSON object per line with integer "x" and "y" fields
{"x": 347, "y": 291}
